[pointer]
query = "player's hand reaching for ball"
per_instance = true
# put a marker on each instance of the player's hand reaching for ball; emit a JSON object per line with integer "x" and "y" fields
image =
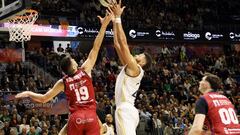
{"x": 108, "y": 17}
{"x": 117, "y": 8}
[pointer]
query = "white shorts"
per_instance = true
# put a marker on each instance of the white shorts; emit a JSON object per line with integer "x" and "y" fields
{"x": 126, "y": 119}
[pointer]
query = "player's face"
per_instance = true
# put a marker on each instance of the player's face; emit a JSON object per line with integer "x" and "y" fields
{"x": 141, "y": 59}
{"x": 203, "y": 85}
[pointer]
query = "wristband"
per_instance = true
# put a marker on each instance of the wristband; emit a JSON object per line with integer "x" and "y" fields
{"x": 118, "y": 20}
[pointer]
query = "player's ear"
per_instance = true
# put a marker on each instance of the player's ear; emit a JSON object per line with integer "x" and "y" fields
{"x": 74, "y": 67}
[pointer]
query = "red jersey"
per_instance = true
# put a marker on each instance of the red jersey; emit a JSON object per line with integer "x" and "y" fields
{"x": 79, "y": 91}
{"x": 221, "y": 118}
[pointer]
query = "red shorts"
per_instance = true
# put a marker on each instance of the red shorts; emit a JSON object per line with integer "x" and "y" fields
{"x": 83, "y": 122}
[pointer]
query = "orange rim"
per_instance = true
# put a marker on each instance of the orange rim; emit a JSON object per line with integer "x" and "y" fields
{"x": 32, "y": 13}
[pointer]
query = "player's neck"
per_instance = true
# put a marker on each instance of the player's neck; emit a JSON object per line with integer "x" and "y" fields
{"x": 74, "y": 71}
{"x": 208, "y": 90}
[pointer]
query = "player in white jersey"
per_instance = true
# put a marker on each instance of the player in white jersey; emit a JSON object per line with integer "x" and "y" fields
{"x": 128, "y": 80}
{"x": 126, "y": 115}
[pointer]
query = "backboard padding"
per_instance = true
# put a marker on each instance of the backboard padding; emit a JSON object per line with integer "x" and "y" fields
{"x": 13, "y": 9}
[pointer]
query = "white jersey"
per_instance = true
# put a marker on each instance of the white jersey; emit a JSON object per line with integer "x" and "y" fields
{"x": 126, "y": 87}
{"x": 110, "y": 129}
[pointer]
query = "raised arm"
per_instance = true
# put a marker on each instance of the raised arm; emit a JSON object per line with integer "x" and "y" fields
{"x": 132, "y": 66}
{"x": 116, "y": 43}
{"x": 43, "y": 98}
{"x": 92, "y": 57}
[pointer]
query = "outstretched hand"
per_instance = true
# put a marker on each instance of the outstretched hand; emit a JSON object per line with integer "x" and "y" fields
{"x": 108, "y": 17}
{"x": 23, "y": 94}
{"x": 117, "y": 8}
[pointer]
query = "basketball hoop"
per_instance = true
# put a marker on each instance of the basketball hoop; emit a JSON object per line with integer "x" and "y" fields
{"x": 21, "y": 25}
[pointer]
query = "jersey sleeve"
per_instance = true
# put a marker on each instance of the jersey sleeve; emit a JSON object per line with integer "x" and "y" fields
{"x": 201, "y": 106}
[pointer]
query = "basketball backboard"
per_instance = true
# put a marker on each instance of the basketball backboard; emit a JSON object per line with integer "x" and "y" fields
{"x": 10, "y": 8}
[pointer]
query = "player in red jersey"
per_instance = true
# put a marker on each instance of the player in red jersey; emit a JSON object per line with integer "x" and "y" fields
{"x": 214, "y": 111}
{"x": 78, "y": 87}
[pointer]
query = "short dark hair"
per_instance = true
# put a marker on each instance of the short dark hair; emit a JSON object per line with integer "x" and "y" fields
{"x": 66, "y": 65}
{"x": 214, "y": 81}
{"x": 148, "y": 64}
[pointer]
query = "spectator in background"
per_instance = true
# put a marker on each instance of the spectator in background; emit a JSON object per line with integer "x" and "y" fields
{"x": 108, "y": 127}
{"x": 23, "y": 132}
{"x": 2, "y": 128}
{"x": 168, "y": 130}
{"x": 6, "y": 128}
{"x": 60, "y": 49}
{"x": 13, "y": 131}
{"x": 157, "y": 125}
{"x": 24, "y": 126}
{"x": 32, "y": 131}
{"x": 68, "y": 49}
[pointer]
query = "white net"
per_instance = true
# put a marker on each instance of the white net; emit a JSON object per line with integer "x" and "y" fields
{"x": 20, "y": 26}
